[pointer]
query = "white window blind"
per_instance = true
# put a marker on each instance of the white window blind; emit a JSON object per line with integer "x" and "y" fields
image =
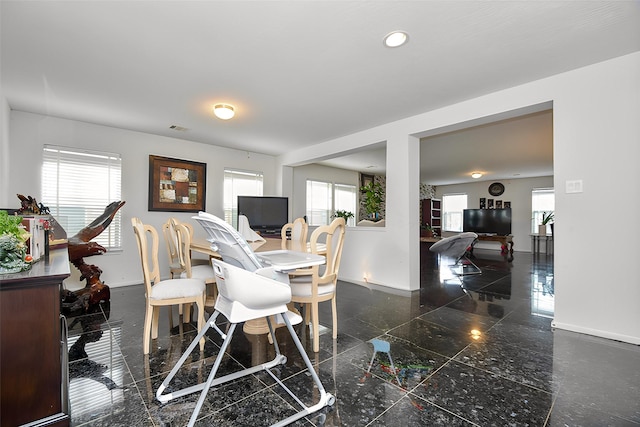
{"x": 542, "y": 201}
{"x": 453, "y": 206}
{"x": 77, "y": 185}
{"x": 344, "y": 199}
{"x": 239, "y": 183}
{"x": 319, "y": 202}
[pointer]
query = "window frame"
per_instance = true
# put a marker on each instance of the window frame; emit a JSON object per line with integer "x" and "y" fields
{"x": 326, "y": 213}
{"x": 446, "y": 215}
{"x": 75, "y": 203}
{"x": 336, "y": 206}
{"x": 230, "y": 195}
{"x": 310, "y": 210}
{"x": 536, "y": 214}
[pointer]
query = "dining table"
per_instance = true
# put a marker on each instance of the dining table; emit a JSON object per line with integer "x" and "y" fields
{"x": 202, "y": 245}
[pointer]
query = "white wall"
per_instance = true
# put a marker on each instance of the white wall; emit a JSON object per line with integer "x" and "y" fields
{"x": 4, "y": 141}
{"x": 597, "y": 140}
{"x": 596, "y": 134}
{"x": 4, "y": 151}
{"x": 517, "y": 191}
{"x": 29, "y": 132}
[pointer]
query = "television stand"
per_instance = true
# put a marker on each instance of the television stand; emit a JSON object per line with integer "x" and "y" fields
{"x": 269, "y": 233}
{"x": 506, "y": 241}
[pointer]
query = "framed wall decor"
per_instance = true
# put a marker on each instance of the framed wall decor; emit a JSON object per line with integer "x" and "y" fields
{"x": 365, "y": 179}
{"x": 176, "y": 185}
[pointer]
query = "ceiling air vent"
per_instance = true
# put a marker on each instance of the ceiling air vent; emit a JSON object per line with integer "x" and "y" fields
{"x": 178, "y": 128}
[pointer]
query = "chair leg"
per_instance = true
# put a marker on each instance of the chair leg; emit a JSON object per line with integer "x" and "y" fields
{"x": 307, "y": 313}
{"x": 154, "y": 322}
{"x": 334, "y": 311}
{"x": 315, "y": 323}
{"x": 211, "y": 295}
{"x": 200, "y": 304}
{"x": 146, "y": 340}
{"x": 186, "y": 312}
{"x": 170, "y": 310}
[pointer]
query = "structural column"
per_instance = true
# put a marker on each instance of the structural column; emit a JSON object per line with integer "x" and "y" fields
{"x": 402, "y": 201}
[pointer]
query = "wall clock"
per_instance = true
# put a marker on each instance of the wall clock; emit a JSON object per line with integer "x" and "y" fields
{"x": 496, "y": 189}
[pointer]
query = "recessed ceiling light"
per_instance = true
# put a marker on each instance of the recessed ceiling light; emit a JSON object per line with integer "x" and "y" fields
{"x": 224, "y": 111}
{"x": 396, "y": 39}
{"x": 476, "y": 175}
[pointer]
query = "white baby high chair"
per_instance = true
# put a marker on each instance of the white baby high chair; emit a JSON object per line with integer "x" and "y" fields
{"x": 248, "y": 290}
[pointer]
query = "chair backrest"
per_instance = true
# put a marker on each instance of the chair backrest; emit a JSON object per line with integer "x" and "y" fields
{"x": 298, "y": 230}
{"x": 147, "y": 238}
{"x": 225, "y": 240}
{"x": 170, "y": 239}
{"x": 183, "y": 235}
{"x": 176, "y": 264}
{"x": 332, "y": 236}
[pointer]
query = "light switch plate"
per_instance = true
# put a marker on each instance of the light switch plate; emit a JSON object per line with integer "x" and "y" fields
{"x": 573, "y": 186}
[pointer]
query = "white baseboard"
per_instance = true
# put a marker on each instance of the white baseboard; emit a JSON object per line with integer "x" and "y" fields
{"x": 596, "y": 332}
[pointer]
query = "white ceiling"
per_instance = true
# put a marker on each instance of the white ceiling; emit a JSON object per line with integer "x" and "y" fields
{"x": 298, "y": 72}
{"x": 518, "y": 147}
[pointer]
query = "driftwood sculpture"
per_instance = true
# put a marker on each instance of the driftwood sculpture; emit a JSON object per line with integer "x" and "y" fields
{"x": 80, "y": 246}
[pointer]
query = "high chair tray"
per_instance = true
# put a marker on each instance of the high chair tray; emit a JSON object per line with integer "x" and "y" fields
{"x": 284, "y": 260}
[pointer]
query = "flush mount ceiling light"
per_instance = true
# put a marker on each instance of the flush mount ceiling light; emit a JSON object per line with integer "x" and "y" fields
{"x": 223, "y": 111}
{"x": 476, "y": 175}
{"x": 396, "y": 39}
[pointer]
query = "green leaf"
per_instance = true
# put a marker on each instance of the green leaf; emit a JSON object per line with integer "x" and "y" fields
{"x": 11, "y": 224}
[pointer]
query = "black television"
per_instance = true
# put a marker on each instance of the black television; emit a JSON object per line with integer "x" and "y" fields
{"x": 487, "y": 221}
{"x": 266, "y": 214}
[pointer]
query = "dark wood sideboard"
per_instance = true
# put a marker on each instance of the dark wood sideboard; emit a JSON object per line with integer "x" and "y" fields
{"x": 33, "y": 354}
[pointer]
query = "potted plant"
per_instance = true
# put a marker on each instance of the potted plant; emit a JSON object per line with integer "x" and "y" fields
{"x": 426, "y": 231}
{"x": 546, "y": 219}
{"x": 13, "y": 251}
{"x": 373, "y": 194}
{"x": 343, "y": 214}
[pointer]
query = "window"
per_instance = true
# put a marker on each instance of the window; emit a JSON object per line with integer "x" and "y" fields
{"x": 324, "y": 198}
{"x": 77, "y": 185}
{"x": 344, "y": 199}
{"x": 542, "y": 201}
{"x": 319, "y": 195}
{"x": 239, "y": 183}
{"x": 452, "y": 207}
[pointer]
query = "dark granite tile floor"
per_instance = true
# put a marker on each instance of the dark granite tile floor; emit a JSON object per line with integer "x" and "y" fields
{"x": 476, "y": 351}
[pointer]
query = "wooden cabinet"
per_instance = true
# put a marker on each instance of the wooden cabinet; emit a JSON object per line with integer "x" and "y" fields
{"x": 431, "y": 214}
{"x": 33, "y": 380}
